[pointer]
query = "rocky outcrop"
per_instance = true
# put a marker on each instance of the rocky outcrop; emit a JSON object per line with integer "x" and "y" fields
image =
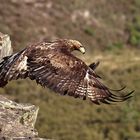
{"x": 16, "y": 120}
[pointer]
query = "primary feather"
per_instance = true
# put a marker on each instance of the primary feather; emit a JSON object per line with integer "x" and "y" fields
{"x": 53, "y": 65}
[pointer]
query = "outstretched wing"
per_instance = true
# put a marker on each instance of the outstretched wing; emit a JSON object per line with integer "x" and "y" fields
{"x": 98, "y": 92}
{"x": 66, "y": 74}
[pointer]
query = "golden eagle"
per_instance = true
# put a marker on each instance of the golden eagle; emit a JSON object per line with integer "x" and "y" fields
{"x": 53, "y": 65}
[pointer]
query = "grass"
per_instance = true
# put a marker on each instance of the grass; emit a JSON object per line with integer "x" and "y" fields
{"x": 89, "y": 31}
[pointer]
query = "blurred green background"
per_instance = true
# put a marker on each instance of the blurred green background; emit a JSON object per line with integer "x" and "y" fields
{"x": 110, "y": 31}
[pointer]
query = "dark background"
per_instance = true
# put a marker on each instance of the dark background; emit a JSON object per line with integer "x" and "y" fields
{"x": 110, "y": 31}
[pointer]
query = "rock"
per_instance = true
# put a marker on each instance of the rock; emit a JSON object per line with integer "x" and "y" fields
{"x": 5, "y": 45}
{"x": 17, "y": 120}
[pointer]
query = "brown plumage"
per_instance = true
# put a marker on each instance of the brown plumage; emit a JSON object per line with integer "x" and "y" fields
{"x": 53, "y": 65}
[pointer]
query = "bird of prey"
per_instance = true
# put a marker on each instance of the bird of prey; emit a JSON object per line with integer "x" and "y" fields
{"x": 53, "y": 65}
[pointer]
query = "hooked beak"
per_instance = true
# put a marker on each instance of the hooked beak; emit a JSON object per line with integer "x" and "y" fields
{"x": 82, "y": 50}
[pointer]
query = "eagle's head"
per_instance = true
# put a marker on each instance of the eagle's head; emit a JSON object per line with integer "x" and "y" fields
{"x": 75, "y": 45}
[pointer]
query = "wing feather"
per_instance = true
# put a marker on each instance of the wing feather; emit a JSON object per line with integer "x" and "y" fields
{"x": 97, "y": 92}
{"x": 13, "y": 67}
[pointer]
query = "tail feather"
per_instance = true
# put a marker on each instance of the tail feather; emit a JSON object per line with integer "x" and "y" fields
{"x": 94, "y": 65}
